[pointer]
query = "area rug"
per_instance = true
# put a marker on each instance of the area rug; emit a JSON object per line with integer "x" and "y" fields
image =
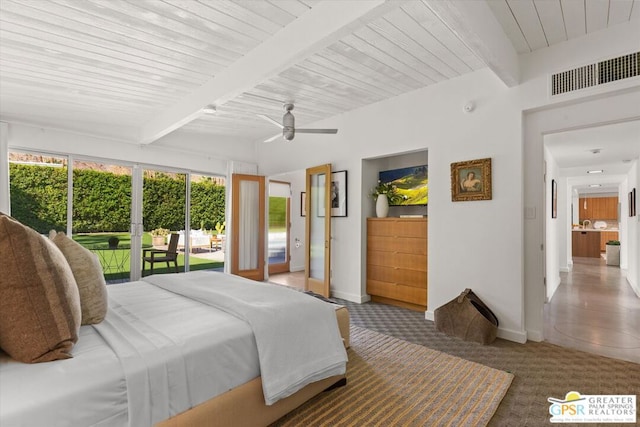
{"x": 391, "y": 382}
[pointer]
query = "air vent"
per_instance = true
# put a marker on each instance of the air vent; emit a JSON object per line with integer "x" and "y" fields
{"x": 611, "y": 70}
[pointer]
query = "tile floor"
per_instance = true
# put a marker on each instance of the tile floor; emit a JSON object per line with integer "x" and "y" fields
{"x": 593, "y": 310}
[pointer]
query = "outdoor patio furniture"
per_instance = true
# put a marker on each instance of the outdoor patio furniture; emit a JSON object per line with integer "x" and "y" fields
{"x": 197, "y": 239}
{"x": 168, "y": 255}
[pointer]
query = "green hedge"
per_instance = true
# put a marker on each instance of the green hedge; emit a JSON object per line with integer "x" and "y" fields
{"x": 102, "y": 200}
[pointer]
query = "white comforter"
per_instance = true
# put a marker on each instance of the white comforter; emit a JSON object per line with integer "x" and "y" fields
{"x": 297, "y": 336}
{"x": 158, "y": 354}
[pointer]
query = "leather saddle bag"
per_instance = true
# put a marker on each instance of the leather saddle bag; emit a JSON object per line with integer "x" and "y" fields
{"x": 468, "y": 318}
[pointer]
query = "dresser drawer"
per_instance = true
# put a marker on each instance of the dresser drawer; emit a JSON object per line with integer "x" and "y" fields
{"x": 397, "y": 259}
{"x": 398, "y": 292}
{"x": 413, "y": 278}
{"x": 407, "y": 245}
{"x": 397, "y": 227}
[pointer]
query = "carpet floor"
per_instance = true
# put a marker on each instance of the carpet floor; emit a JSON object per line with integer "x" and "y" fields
{"x": 392, "y": 382}
{"x": 541, "y": 370}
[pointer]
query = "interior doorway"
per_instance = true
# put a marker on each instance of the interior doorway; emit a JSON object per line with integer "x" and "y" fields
{"x": 590, "y": 304}
{"x": 279, "y": 221}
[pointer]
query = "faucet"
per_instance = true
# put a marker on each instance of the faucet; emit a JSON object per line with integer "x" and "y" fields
{"x": 584, "y": 223}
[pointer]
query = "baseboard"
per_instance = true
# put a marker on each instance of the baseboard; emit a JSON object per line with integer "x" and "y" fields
{"x": 360, "y": 299}
{"x": 507, "y": 334}
{"x": 295, "y": 268}
{"x": 536, "y": 336}
{"x": 515, "y": 336}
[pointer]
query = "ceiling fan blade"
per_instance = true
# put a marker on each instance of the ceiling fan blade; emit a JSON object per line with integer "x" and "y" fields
{"x": 274, "y": 137}
{"x": 316, "y": 130}
{"x": 269, "y": 119}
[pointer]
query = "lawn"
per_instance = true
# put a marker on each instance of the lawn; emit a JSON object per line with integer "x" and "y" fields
{"x": 115, "y": 263}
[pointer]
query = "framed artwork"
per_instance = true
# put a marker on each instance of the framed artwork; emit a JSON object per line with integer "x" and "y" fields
{"x": 554, "y": 198}
{"x": 303, "y": 203}
{"x": 339, "y": 193}
{"x": 471, "y": 180}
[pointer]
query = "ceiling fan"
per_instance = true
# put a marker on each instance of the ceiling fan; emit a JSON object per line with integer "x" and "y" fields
{"x": 288, "y": 125}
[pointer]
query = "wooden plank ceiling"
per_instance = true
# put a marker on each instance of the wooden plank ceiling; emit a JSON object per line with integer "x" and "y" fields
{"x": 110, "y": 66}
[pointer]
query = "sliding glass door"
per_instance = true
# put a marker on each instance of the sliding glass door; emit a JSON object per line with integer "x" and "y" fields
{"x": 101, "y": 214}
{"x": 125, "y": 213}
{"x": 165, "y": 240}
{"x": 208, "y": 225}
{"x": 39, "y": 188}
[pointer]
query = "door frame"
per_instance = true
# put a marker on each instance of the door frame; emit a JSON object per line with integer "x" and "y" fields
{"x": 258, "y": 272}
{"x": 322, "y": 287}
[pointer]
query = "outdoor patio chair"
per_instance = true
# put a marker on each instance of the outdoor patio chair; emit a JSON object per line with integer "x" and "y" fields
{"x": 168, "y": 255}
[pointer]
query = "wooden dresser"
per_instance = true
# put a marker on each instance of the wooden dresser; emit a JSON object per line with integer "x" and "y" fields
{"x": 397, "y": 261}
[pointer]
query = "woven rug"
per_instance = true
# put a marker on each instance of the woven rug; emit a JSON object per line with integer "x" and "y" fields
{"x": 391, "y": 382}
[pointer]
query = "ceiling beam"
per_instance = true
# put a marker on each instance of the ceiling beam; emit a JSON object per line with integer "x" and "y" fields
{"x": 478, "y": 28}
{"x": 322, "y": 25}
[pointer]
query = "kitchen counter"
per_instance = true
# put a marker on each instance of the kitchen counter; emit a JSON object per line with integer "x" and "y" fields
{"x": 590, "y": 242}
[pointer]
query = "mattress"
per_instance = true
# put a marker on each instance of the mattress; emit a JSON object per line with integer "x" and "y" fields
{"x": 219, "y": 353}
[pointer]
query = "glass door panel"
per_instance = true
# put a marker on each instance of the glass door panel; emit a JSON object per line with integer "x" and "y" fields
{"x": 102, "y": 215}
{"x": 39, "y": 190}
{"x": 318, "y": 230}
{"x": 208, "y": 226}
{"x": 165, "y": 241}
{"x": 248, "y": 205}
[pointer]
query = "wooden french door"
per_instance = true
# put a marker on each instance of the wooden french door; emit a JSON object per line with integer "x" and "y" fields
{"x": 248, "y": 226}
{"x": 318, "y": 230}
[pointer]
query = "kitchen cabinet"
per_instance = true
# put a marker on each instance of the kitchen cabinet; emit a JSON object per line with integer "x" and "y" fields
{"x": 397, "y": 261}
{"x": 598, "y": 208}
{"x": 585, "y": 243}
{"x": 605, "y": 236}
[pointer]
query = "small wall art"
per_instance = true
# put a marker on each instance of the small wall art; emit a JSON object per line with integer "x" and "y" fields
{"x": 471, "y": 180}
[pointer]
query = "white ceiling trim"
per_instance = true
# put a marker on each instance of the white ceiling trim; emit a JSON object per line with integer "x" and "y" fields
{"x": 321, "y": 26}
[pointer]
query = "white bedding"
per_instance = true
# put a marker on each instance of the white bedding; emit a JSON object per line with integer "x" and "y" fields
{"x": 292, "y": 352}
{"x": 175, "y": 353}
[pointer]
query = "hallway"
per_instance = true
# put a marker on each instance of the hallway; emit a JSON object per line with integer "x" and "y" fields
{"x": 595, "y": 310}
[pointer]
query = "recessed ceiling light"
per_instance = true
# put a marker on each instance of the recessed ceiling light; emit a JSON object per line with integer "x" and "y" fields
{"x": 595, "y": 171}
{"x": 595, "y": 185}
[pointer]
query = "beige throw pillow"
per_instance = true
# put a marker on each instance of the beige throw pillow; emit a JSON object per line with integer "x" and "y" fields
{"x": 87, "y": 271}
{"x": 39, "y": 299}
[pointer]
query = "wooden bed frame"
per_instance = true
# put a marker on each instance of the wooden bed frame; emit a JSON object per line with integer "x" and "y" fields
{"x": 244, "y": 405}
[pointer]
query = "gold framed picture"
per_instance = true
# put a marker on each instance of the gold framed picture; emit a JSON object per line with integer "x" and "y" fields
{"x": 471, "y": 180}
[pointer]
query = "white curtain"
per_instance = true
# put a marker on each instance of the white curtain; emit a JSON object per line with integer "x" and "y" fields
{"x": 249, "y": 224}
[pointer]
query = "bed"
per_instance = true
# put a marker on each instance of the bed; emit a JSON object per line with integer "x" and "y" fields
{"x": 200, "y": 348}
{"x": 182, "y": 362}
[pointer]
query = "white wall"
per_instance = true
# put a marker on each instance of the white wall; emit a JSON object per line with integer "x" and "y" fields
{"x": 633, "y": 230}
{"x": 471, "y": 244}
{"x": 555, "y": 229}
{"x": 485, "y": 245}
